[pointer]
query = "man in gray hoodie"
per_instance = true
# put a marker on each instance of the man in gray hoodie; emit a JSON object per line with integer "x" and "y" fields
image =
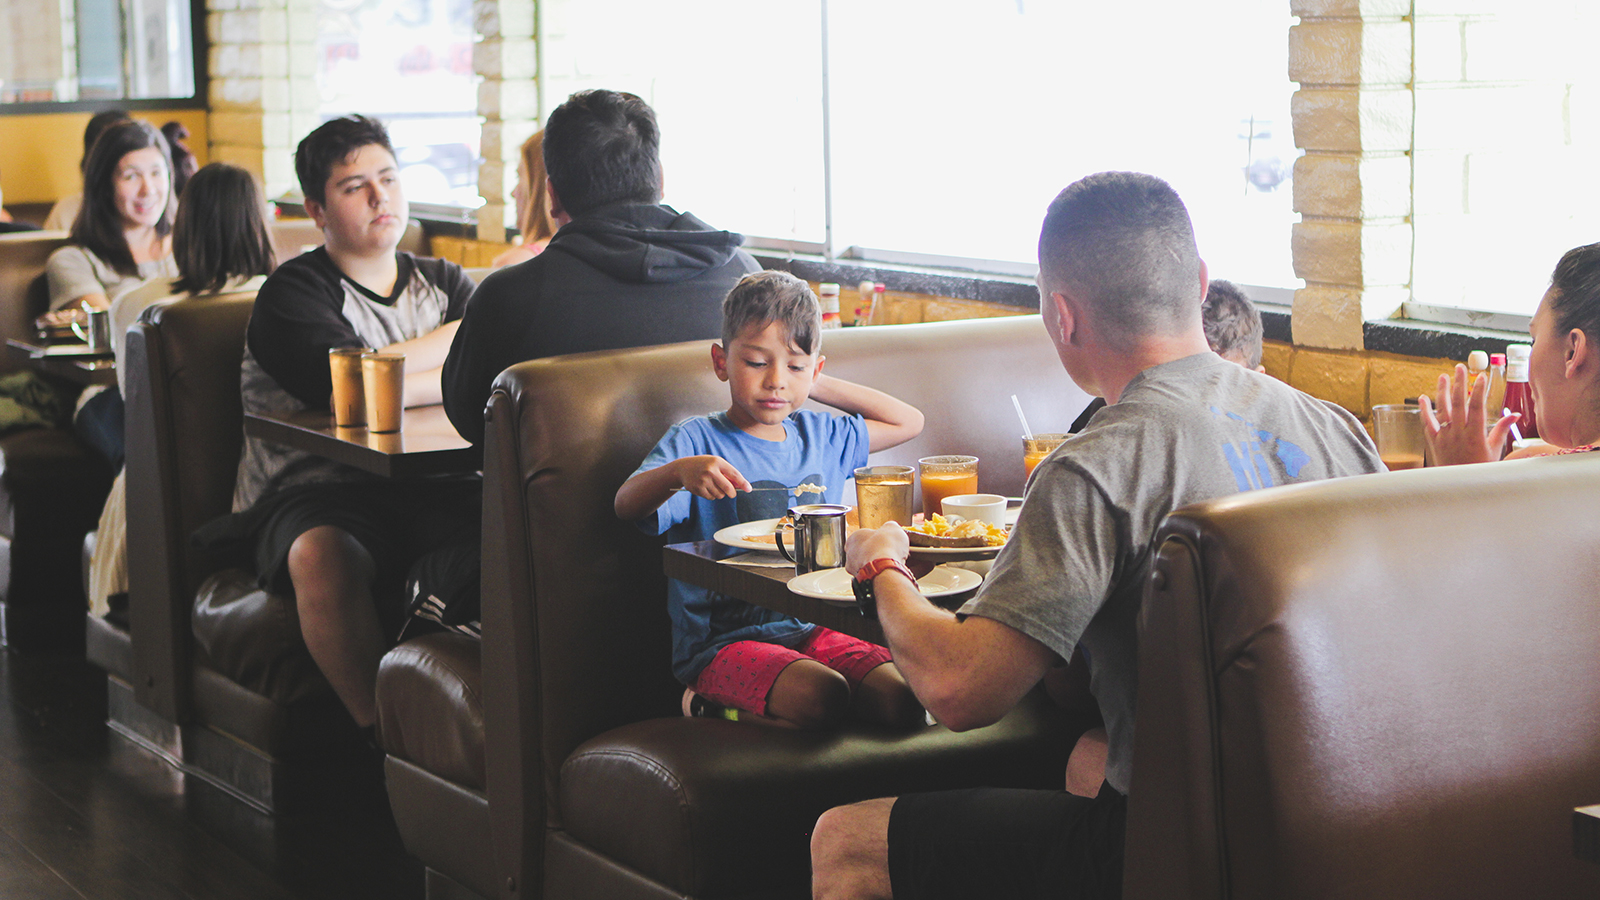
{"x": 622, "y": 271}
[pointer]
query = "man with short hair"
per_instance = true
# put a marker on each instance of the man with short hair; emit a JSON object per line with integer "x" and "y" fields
{"x": 1120, "y": 283}
{"x": 622, "y": 271}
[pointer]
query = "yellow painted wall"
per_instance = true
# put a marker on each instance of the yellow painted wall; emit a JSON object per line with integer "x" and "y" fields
{"x": 39, "y": 154}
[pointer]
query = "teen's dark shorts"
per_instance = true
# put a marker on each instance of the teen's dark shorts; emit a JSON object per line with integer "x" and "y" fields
{"x": 1000, "y": 842}
{"x": 395, "y": 521}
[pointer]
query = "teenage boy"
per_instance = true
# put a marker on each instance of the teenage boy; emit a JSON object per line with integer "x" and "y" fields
{"x": 337, "y": 540}
{"x": 698, "y": 479}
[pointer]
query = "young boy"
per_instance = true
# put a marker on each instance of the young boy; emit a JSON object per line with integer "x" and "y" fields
{"x": 769, "y": 667}
{"x": 335, "y": 539}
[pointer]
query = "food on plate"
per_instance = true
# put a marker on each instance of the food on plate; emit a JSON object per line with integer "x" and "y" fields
{"x": 954, "y": 531}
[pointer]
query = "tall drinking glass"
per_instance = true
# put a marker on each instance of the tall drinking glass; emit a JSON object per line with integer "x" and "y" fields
{"x": 946, "y": 476}
{"x": 884, "y": 494}
{"x": 1036, "y": 448}
{"x": 1400, "y": 440}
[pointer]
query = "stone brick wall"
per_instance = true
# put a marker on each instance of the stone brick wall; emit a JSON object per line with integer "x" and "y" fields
{"x": 263, "y": 93}
{"x": 1356, "y": 380}
{"x": 1353, "y": 117}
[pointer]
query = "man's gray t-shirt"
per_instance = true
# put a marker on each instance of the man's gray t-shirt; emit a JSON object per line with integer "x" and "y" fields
{"x": 1185, "y": 431}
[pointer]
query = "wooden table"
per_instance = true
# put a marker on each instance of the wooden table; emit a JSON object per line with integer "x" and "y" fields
{"x": 426, "y": 444}
{"x": 698, "y": 564}
{"x": 77, "y": 367}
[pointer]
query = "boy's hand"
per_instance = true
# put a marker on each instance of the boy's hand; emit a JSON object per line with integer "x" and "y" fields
{"x": 710, "y": 477}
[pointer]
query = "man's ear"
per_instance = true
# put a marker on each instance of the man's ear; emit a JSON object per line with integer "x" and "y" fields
{"x": 1067, "y": 315}
{"x": 317, "y": 212}
{"x": 719, "y": 362}
{"x": 557, "y": 211}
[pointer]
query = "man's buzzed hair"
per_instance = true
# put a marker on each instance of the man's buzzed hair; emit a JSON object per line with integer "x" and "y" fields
{"x": 1232, "y": 324}
{"x": 1123, "y": 242}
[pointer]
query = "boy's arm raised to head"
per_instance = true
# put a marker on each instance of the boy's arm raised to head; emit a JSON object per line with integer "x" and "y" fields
{"x": 711, "y": 477}
{"x": 890, "y": 422}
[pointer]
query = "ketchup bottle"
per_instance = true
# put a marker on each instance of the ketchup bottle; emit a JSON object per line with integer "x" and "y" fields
{"x": 1519, "y": 395}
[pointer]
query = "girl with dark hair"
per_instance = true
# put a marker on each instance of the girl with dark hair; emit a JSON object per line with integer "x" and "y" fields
{"x": 1564, "y": 371}
{"x": 121, "y": 236}
{"x": 222, "y": 246}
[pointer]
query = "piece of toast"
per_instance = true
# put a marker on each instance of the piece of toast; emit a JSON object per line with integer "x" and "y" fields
{"x": 918, "y": 539}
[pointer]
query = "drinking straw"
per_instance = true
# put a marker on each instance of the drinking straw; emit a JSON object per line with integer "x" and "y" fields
{"x": 1516, "y": 433}
{"x": 1027, "y": 433}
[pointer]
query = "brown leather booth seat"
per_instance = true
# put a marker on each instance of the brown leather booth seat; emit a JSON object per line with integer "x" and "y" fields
{"x": 51, "y": 486}
{"x": 596, "y": 785}
{"x": 219, "y": 676}
{"x": 1383, "y": 687}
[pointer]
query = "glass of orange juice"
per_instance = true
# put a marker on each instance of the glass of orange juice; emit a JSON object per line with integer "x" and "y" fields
{"x": 946, "y": 476}
{"x": 1036, "y": 448}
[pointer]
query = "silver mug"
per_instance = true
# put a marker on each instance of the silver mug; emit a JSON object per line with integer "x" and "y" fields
{"x": 97, "y": 334}
{"x": 819, "y": 534}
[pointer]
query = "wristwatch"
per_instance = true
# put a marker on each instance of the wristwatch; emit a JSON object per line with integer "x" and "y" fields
{"x": 866, "y": 599}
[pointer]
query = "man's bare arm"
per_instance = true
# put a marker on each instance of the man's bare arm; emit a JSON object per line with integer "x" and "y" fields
{"x": 967, "y": 672}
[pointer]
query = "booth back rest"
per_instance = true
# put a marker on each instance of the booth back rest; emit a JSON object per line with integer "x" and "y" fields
{"x": 184, "y": 431}
{"x": 962, "y": 375}
{"x": 23, "y": 294}
{"x": 582, "y": 593}
{"x": 1383, "y": 686}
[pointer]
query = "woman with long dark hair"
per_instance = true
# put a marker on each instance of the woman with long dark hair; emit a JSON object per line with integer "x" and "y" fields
{"x": 222, "y": 246}
{"x": 122, "y": 235}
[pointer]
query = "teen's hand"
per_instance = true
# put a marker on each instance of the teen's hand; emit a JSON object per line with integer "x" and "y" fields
{"x": 710, "y": 477}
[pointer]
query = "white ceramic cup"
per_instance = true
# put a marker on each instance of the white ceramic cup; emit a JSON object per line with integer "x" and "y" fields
{"x": 989, "y": 508}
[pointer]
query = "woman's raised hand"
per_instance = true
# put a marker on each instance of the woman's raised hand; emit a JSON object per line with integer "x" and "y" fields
{"x": 1456, "y": 428}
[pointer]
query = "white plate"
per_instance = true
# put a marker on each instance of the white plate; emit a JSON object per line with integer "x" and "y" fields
{"x": 833, "y": 585}
{"x": 739, "y": 535}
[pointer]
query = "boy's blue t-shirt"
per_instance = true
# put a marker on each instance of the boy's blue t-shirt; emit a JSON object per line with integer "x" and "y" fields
{"x": 819, "y": 449}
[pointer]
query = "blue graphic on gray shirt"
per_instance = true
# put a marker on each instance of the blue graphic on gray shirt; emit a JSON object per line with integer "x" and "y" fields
{"x": 1249, "y": 460}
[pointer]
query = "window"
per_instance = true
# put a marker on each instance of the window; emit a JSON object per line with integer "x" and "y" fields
{"x": 409, "y": 63}
{"x": 953, "y": 122}
{"x": 65, "y": 51}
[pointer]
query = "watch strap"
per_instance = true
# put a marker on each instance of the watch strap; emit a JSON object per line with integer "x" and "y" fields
{"x": 862, "y": 585}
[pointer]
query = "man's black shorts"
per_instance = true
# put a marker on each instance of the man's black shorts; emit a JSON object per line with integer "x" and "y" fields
{"x": 1001, "y": 842}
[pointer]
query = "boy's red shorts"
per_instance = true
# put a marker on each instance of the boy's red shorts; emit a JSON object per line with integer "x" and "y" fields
{"x": 742, "y": 673}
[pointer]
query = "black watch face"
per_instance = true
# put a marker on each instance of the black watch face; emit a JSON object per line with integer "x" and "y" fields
{"x": 862, "y": 590}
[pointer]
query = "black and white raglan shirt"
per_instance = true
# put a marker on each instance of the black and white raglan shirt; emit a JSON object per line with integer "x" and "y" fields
{"x": 306, "y": 308}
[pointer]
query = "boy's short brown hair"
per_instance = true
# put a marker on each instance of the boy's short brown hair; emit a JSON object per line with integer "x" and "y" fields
{"x": 1232, "y": 323}
{"x": 768, "y": 296}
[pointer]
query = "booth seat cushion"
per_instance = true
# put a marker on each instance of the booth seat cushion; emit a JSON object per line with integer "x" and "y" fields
{"x": 714, "y": 808}
{"x": 51, "y": 486}
{"x": 430, "y": 706}
{"x": 251, "y": 637}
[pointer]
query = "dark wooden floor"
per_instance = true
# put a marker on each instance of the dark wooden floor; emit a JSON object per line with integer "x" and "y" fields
{"x": 85, "y": 815}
